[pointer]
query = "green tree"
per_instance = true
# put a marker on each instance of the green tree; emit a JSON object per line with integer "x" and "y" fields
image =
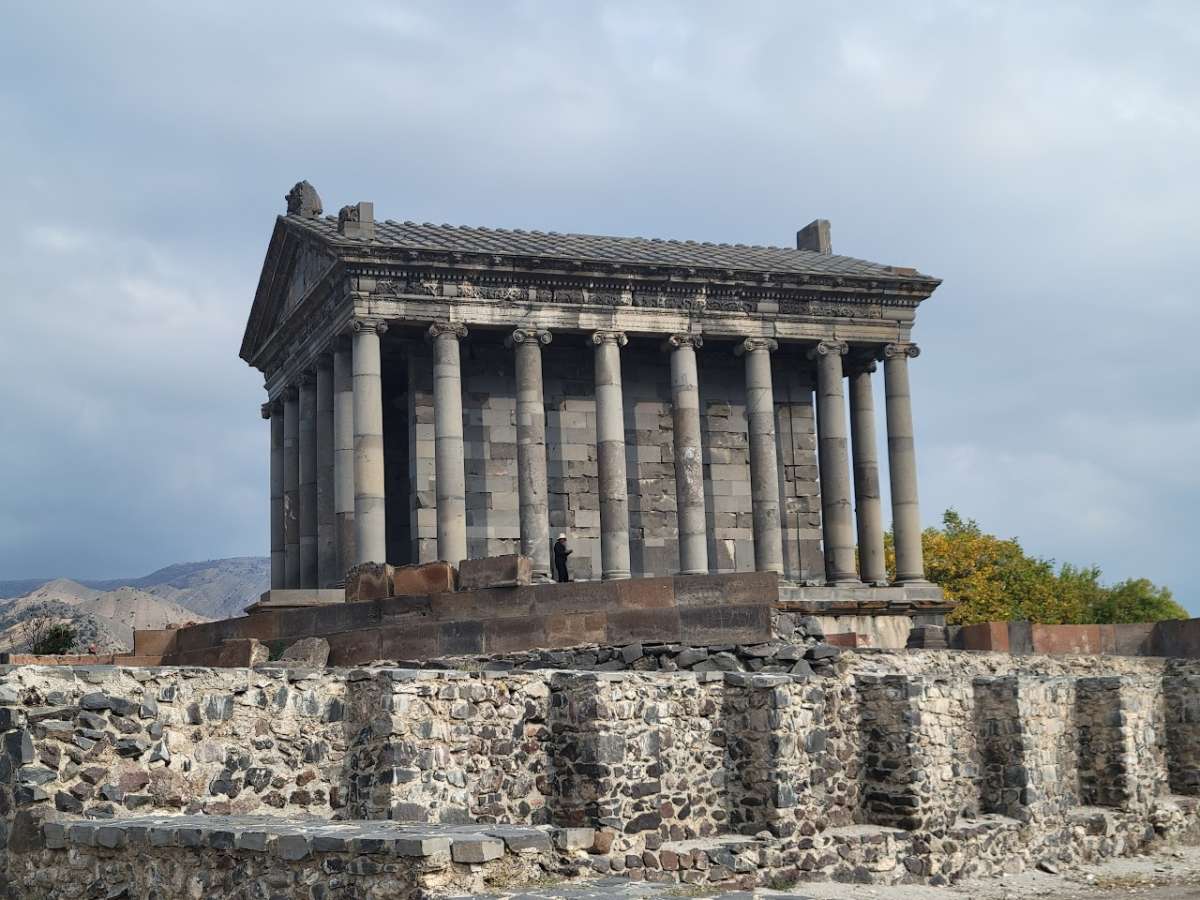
{"x": 1136, "y": 600}
{"x": 993, "y": 579}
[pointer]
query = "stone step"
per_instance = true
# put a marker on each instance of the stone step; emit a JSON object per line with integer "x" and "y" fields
{"x": 270, "y": 852}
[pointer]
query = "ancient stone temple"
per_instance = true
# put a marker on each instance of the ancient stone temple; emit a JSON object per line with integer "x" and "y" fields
{"x": 673, "y": 407}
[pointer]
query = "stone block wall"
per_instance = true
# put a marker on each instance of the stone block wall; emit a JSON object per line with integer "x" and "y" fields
{"x": 1181, "y": 696}
{"x": 1027, "y": 746}
{"x": 489, "y": 413}
{"x": 920, "y": 757}
{"x": 453, "y": 748}
{"x": 1121, "y": 723}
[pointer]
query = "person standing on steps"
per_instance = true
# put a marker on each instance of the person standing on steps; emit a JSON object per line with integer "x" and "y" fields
{"x": 560, "y": 558}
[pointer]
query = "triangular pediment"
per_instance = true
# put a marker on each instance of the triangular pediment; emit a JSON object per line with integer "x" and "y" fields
{"x": 295, "y": 264}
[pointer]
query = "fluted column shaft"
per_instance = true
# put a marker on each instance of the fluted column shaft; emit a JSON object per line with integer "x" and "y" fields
{"x": 327, "y": 573}
{"x": 448, "y": 442}
{"x": 343, "y": 457}
{"x": 902, "y": 463}
{"x": 308, "y": 481}
{"x": 370, "y": 516}
{"x": 610, "y": 456}
{"x": 833, "y": 463}
{"x": 867, "y": 505}
{"x": 764, "y": 459}
{"x": 689, "y": 462}
{"x": 531, "y": 448}
{"x": 291, "y": 488}
{"x": 274, "y": 412}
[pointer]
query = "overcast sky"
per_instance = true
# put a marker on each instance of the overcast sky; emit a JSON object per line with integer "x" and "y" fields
{"x": 1042, "y": 158}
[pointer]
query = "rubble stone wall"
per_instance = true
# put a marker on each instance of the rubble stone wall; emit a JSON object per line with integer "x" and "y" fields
{"x": 892, "y": 766}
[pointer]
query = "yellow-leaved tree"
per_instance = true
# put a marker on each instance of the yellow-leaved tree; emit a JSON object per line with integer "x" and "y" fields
{"x": 994, "y": 580}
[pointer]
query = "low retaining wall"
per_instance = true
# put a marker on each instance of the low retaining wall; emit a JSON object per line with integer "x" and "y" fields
{"x": 690, "y": 610}
{"x": 922, "y": 766}
{"x": 1174, "y": 638}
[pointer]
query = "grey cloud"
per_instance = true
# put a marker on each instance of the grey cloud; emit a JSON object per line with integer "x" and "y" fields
{"x": 1039, "y": 157}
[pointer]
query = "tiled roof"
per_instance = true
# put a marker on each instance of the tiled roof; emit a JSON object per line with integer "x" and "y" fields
{"x": 634, "y": 251}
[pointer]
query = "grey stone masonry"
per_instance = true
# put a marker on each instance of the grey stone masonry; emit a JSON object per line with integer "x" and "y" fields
{"x": 902, "y": 463}
{"x": 291, "y": 487}
{"x": 450, "y": 478}
{"x": 274, "y": 412}
{"x": 832, "y": 454}
{"x": 610, "y": 455}
{"x": 370, "y": 515}
{"x": 531, "y": 447}
{"x": 764, "y": 464}
{"x": 689, "y": 456}
{"x": 865, "y": 452}
{"x": 343, "y": 455}
{"x": 308, "y": 481}
{"x": 653, "y": 464}
{"x": 327, "y": 553}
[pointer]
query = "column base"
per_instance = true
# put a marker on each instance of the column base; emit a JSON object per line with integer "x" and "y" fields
{"x": 615, "y": 576}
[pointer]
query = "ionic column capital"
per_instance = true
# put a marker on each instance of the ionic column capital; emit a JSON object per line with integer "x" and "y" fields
{"x": 860, "y": 366}
{"x": 454, "y": 329}
{"x": 609, "y": 337}
{"x": 751, "y": 344}
{"x": 899, "y": 348}
{"x": 268, "y": 409}
{"x": 308, "y": 377}
{"x": 528, "y": 335}
{"x": 679, "y": 341}
{"x": 376, "y": 325}
{"x": 829, "y": 348}
{"x": 291, "y": 392}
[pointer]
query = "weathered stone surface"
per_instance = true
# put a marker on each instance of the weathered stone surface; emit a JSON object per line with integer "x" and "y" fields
{"x": 423, "y": 580}
{"x": 510, "y": 570}
{"x": 369, "y": 581}
{"x": 312, "y": 652}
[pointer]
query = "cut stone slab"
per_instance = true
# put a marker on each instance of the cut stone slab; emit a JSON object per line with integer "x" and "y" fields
{"x": 422, "y": 580}
{"x": 509, "y": 570}
{"x": 312, "y": 652}
{"x": 369, "y": 581}
{"x": 297, "y": 599}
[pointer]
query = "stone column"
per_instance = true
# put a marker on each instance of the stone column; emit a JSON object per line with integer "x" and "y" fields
{"x": 327, "y": 565}
{"x": 866, "y": 476}
{"x": 308, "y": 480}
{"x": 274, "y": 412}
{"x": 450, "y": 475}
{"x": 837, "y": 517}
{"x": 689, "y": 463}
{"x": 902, "y": 463}
{"x": 343, "y": 456}
{"x": 764, "y": 460}
{"x": 370, "y": 518}
{"x": 610, "y": 456}
{"x": 531, "y": 448}
{"x": 291, "y": 488}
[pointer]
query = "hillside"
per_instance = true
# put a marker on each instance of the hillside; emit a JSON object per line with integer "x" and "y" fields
{"x": 104, "y": 618}
{"x": 211, "y": 589}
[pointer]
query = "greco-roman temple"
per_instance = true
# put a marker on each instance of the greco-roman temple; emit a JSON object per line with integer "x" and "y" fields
{"x": 673, "y": 407}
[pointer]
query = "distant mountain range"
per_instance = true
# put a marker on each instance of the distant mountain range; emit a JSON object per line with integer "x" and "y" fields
{"x": 105, "y": 612}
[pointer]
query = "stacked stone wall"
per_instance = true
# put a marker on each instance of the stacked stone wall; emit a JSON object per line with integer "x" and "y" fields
{"x": 453, "y": 749}
{"x": 489, "y": 435}
{"x": 963, "y": 764}
{"x": 1182, "y": 715}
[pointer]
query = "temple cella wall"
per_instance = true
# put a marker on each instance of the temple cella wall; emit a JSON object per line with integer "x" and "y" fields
{"x": 489, "y": 445}
{"x": 917, "y": 767}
